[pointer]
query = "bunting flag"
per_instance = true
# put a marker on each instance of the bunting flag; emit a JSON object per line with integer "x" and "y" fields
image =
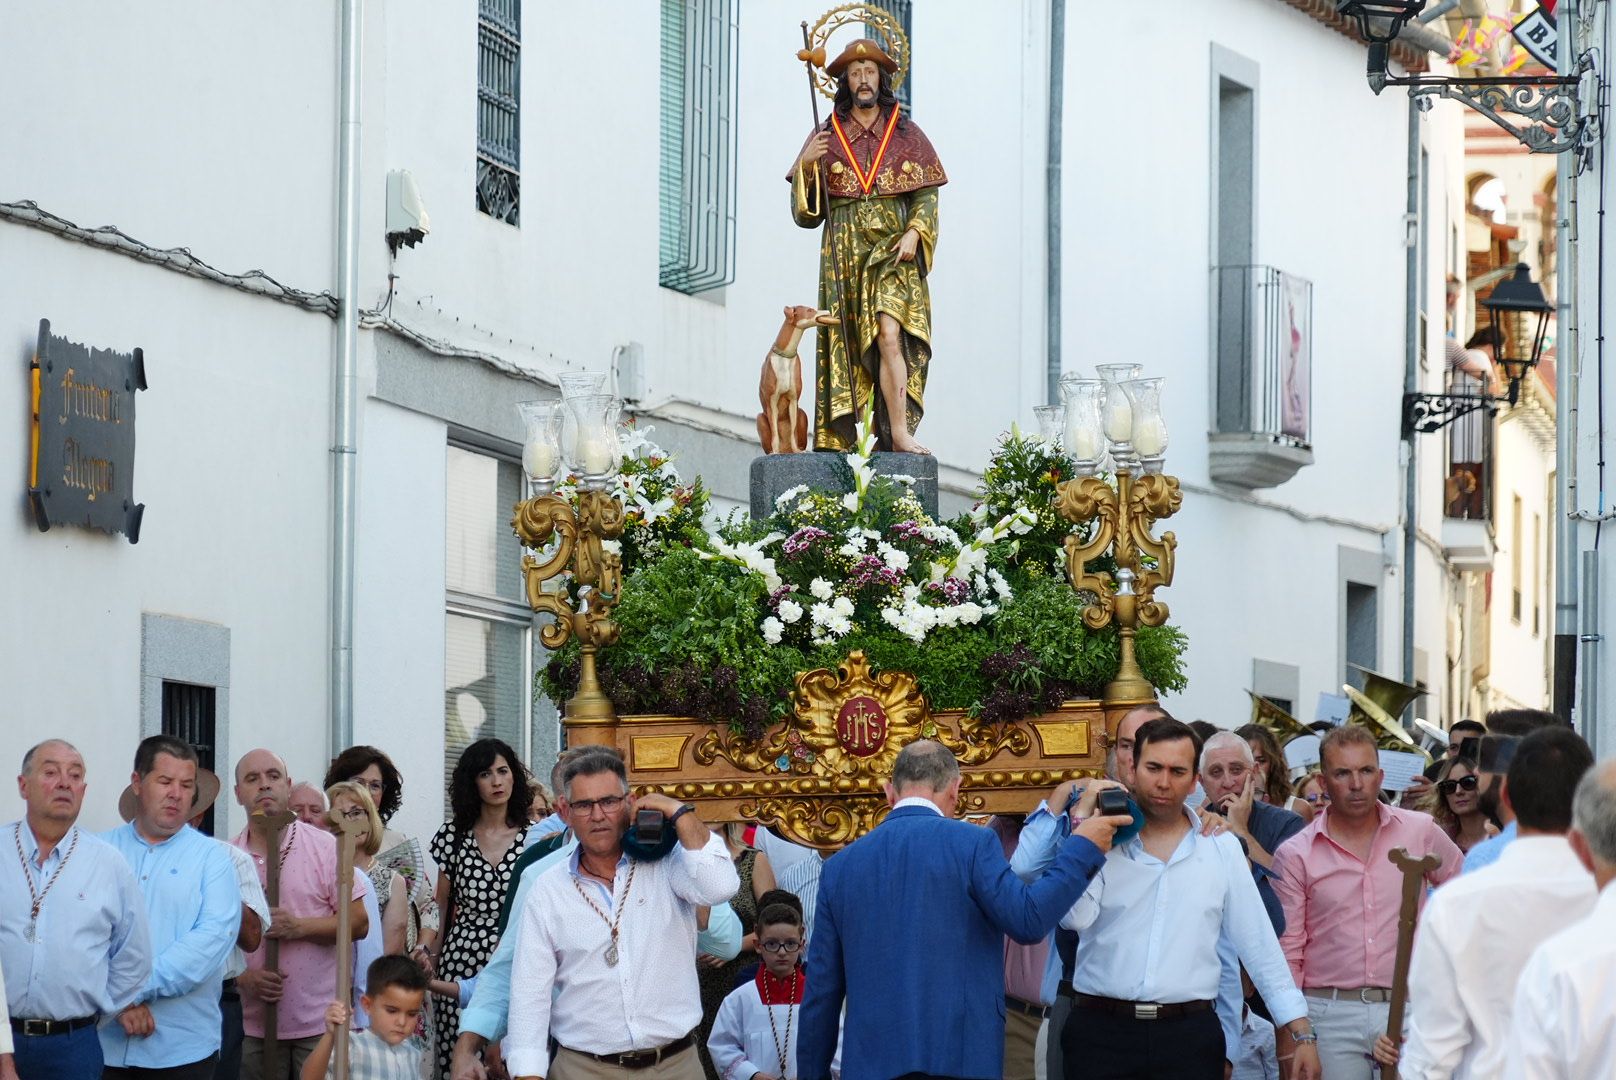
{"x": 1539, "y": 35}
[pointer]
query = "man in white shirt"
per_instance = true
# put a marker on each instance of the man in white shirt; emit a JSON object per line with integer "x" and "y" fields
{"x": 604, "y": 946}
{"x": 1567, "y": 995}
{"x": 1479, "y": 929}
{"x": 1148, "y": 969}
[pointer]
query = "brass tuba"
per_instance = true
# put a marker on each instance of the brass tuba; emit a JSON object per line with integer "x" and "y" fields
{"x": 1276, "y": 721}
{"x": 1377, "y": 707}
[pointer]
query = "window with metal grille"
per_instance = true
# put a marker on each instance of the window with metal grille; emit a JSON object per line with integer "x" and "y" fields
{"x": 188, "y": 715}
{"x": 700, "y": 54}
{"x": 902, "y": 12}
{"x": 499, "y": 85}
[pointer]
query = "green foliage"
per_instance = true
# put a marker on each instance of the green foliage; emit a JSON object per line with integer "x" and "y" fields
{"x": 979, "y": 611}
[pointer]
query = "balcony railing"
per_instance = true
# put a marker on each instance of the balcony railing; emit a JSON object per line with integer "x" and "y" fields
{"x": 1262, "y": 336}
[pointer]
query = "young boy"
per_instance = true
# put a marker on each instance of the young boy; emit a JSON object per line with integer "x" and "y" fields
{"x": 755, "y": 1032}
{"x": 395, "y": 994}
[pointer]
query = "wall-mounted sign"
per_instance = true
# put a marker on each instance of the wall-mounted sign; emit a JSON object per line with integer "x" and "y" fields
{"x": 1539, "y": 33}
{"x": 82, "y": 466}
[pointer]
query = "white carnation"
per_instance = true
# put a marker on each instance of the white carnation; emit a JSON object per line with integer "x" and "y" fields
{"x": 821, "y": 588}
{"x": 790, "y": 611}
{"x": 772, "y": 630}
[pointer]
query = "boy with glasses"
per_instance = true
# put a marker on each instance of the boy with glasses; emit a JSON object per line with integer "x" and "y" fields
{"x": 755, "y": 1033}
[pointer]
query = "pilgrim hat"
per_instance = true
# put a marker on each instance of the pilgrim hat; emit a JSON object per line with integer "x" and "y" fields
{"x": 207, "y": 792}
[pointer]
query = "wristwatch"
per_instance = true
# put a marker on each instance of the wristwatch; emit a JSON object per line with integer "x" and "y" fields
{"x": 1308, "y": 1036}
{"x": 687, "y": 808}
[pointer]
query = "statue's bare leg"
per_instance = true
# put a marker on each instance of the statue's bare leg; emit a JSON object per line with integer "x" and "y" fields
{"x": 895, "y": 386}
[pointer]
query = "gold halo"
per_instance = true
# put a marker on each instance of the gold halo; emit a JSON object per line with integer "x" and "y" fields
{"x": 874, "y": 18}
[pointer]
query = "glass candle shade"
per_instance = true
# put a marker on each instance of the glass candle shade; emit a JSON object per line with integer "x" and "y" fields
{"x": 1118, "y": 412}
{"x": 1149, "y": 437}
{"x": 593, "y": 449}
{"x": 1085, "y": 436}
{"x": 1051, "y": 418}
{"x": 541, "y": 442}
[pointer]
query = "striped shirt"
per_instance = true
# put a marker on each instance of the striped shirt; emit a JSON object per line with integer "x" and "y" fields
{"x": 370, "y": 1058}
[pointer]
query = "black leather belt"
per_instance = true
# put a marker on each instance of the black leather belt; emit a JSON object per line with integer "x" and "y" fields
{"x": 1141, "y": 1010}
{"x": 36, "y": 1028}
{"x": 1065, "y": 990}
{"x": 1025, "y": 1008}
{"x": 639, "y": 1059}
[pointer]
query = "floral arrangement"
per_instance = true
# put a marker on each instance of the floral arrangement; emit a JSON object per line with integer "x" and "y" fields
{"x": 717, "y": 623}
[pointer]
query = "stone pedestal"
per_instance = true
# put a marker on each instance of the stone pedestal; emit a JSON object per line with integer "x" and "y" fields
{"x": 820, "y": 470}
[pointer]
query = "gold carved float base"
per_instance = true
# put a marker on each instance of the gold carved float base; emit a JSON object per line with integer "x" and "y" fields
{"x": 819, "y": 776}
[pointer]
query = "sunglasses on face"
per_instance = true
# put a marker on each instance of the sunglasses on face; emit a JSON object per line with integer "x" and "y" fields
{"x": 1468, "y": 783}
{"x": 781, "y": 946}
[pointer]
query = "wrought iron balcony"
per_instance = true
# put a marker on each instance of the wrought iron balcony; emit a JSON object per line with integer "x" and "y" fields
{"x": 1262, "y": 420}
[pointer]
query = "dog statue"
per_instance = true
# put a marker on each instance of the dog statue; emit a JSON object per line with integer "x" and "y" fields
{"x": 782, "y": 425}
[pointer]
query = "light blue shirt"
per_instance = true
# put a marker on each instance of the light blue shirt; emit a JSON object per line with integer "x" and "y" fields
{"x": 548, "y": 826}
{"x": 1040, "y": 842}
{"x": 1486, "y": 853}
{"x": 1171, "y": 932}
{"x": 368, "y": 949}
{"x": 91, "y": 954}
{"x": 193, "y": 907}
{"x": 488, "y": 1010}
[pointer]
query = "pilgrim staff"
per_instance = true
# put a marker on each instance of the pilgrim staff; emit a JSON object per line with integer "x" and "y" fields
{"x": 1414, "y": 873}
{"x": 270, "y": 827}
{"x": 348, "y": 840}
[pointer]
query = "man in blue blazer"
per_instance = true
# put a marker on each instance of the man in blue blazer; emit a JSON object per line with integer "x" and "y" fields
{"x": 910, "y": 932}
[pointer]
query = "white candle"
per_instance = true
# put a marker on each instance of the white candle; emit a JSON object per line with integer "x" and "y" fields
{"x": 539, "y": 459}
{"x": 594, "y": 454}
{"x": 1083, "y": 442}
{"x": 1118, "y": 415}
{"x": 1149, "y": 436}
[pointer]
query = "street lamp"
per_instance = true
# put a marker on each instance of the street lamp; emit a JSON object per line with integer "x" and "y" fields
{"x": 589, "y": 442}
{"x": 1550, "y": 105}
{"x": 1519, "y": 314}
{"x": 1127, "y": 413}
{"x": 1397, "y": 13}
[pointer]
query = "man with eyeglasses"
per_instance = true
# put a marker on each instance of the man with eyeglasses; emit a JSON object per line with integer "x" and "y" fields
{"x": 1035, "y": 852}
{"x": 604, "y": 942}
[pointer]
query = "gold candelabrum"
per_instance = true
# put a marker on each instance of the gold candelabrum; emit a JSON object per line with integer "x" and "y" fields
{"x": 1122, "y": 516}
{"x": 579, "y": 548}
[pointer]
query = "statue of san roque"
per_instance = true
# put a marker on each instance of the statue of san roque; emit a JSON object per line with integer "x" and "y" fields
{"x": 874, "y": 172}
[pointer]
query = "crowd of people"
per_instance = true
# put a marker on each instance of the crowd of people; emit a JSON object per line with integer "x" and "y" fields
{"x": 1192, "y": 914}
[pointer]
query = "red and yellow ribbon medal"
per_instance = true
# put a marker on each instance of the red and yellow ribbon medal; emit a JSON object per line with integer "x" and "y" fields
{"x": 866, "y": 181}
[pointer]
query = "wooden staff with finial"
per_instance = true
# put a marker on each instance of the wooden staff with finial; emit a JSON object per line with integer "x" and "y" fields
{"x": 348, "y": 840}
{"x": 1414, "y": 871}
{"x": 269, "y": 828}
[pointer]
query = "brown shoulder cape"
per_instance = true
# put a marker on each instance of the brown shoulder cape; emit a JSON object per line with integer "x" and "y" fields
{"x": 910, "y": 163}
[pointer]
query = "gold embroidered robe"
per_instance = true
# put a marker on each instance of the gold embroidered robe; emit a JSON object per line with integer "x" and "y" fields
{"x": 860, "y": 271}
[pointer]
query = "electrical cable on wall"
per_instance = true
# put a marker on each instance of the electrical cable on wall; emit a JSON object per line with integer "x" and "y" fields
{"x": 111, "y": 238}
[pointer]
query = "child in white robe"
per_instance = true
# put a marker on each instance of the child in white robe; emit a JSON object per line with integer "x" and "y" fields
{"x": 755, "y": 1032}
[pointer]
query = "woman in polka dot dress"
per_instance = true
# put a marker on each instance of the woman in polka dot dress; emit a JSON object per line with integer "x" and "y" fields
{"x": 475, "y": 853}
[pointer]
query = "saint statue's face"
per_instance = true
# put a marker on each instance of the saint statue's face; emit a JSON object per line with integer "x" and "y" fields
{"x": 864, "y": 82}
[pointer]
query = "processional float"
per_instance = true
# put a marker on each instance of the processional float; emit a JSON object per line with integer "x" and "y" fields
{"x": 817, "y": 771}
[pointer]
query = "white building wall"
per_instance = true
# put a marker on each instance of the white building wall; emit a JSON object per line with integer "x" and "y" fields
{"x": 248, "y": 180}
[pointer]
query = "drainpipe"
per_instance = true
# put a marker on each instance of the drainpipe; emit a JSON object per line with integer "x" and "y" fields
{"x": 344, "y": 389}
{"x": 1052, "y": 202}
{"x": 1411, "y": 375}
{"x": 1565, "y": 404}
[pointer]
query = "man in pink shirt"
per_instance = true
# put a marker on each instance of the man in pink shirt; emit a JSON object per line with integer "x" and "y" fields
{"x": 1341, "y": 894}
{"x": 304, "y": 921}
